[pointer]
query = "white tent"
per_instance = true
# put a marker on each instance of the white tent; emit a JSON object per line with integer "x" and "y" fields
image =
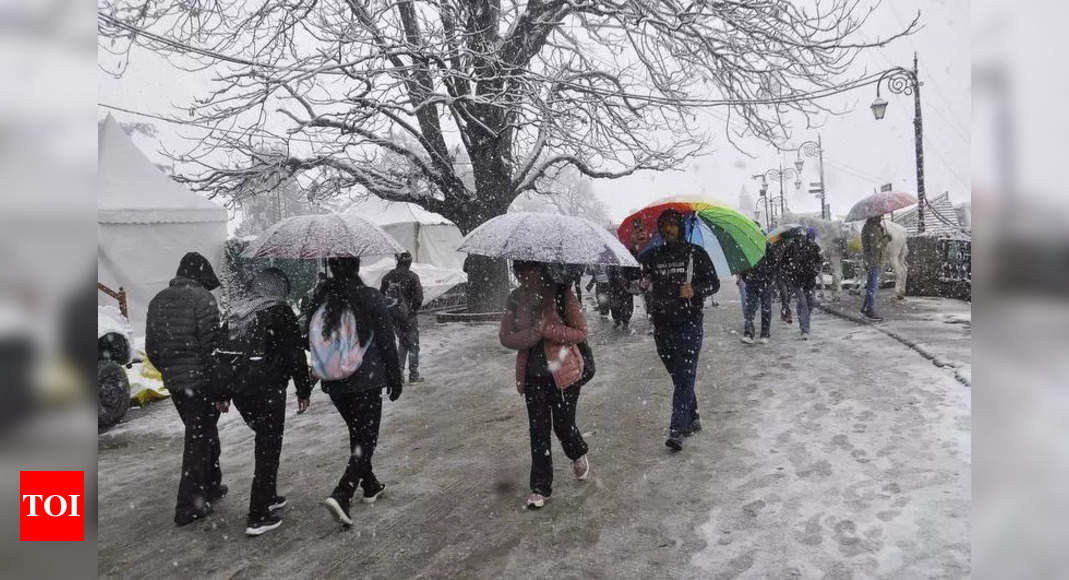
{"x": 436, "y": 281}
{"x": 430, "y": 238}
{"x": 146, "y": 222}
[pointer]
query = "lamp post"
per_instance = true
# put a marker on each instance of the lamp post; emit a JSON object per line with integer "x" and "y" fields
{"x": 904, "y": 81}
{"x": 764, "y": 196}
{"x": 813, "y": 149}
{"x": 779, "y": 174}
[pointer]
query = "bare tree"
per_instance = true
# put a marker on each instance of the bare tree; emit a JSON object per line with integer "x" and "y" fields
{"x": 570, "y": 194}
{"x": 523, "y": 88}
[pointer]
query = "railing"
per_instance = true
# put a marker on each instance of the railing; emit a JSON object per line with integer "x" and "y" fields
{"x": 119, "y": 295}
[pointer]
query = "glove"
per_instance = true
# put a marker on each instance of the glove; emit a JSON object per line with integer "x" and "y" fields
{"x": 394, "y": 391}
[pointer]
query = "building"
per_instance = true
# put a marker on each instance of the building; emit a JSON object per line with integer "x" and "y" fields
{"x": 941, "y": 218}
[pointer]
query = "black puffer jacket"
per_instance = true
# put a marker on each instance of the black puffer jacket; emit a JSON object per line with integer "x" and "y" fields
{"x": 181, "y": 331}
{"x": 765, "y": 271}
{"x": 380, "y": 367}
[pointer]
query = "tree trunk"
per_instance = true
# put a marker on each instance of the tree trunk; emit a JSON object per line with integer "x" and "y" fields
{"x": 488, "y": 283}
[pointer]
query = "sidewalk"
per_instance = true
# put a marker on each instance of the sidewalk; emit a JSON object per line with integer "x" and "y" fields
{"x": 940, "y": 329}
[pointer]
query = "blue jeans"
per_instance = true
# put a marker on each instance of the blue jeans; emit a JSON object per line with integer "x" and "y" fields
{"x": 758, "y": 295}
{"x": 742, "y": 294}
{"x": 870, "y": 290}
{"x": 805, "y": 307}
{"x": 679, "y": 347}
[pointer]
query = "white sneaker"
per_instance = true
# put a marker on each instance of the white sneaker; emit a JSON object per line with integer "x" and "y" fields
{"x": 581, "y": 467}
{"x": 805, "y": 336}
{"x": 763, "y": 340}
{"x": 535, "y": 501}
{"x": 747, "y": 339}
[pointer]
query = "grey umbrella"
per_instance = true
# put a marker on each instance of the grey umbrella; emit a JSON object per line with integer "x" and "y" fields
{"x": 323, "y": 236}
{"x": 547, "y": 237}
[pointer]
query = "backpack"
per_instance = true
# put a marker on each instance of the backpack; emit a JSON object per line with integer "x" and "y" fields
{"x": 395, "y": 301}
{"x": 240, "y": 360}
{"x": 338, "y": 356}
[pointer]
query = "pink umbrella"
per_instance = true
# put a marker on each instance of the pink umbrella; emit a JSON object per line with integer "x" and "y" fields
{"x": 879, "y": 204}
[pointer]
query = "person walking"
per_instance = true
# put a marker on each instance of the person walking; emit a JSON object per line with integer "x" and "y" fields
{"x": 405, "y": 290}
{"x": 758, "y": 284}
{"x": 345, "y": 307}
{"x": 622, "y": 286}
{"x": 679, "y": 276}
{"x": 274, "y": 351}
{"x": 802, "y": 265}
{"x": 181, "y": 333}
{"x": 599, "y": 281}
{"x": 542, "y": 320}
{"x": 874, "y": 239}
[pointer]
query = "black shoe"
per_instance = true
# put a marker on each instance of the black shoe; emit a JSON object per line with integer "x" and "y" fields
{"x": 872, "y": 316}
{"x": 339, "y": 509}
{"x": 261, "y": 524}
{"x": 415, "y": 379}
{"x": 674, "y": 441}
{"x": 218, "y": 493}
{"x": 185, "y": 519}
{"x": 372, "y": 491}
{"x": 278, "y": 503}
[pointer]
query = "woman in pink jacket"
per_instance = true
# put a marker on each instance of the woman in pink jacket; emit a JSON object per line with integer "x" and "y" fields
{"x": 548, "y": 364}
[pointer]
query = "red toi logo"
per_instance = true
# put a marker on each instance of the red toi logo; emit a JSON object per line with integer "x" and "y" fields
{"x": 51, "y": 506}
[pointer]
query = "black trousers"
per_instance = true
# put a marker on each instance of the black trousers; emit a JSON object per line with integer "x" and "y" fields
{"x": 363, "y": 414}
{"x": 264, "y": 411}
{"x": 201, "y": 475}
{"x": 551, "y": 409}
{"x": 622, "y": 305}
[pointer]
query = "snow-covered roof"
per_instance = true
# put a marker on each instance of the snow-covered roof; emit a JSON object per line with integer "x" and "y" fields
{"x": 382, "y": 212}
{"x": 939, "y": 207}
{"x": 130, "y": 189}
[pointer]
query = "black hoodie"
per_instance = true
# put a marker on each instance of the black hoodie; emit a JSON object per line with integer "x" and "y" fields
{"x": 666, "y": 268}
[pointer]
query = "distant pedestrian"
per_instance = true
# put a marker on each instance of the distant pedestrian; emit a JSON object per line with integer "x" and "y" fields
{"x": 874, "y": 239}
{"x": 802, "y": 264}
{"x": 354, "y": 316}
{"x": 781, "y": 287}
{"x": 543, "y": 322}
{"x": 181, "y": 334}
{"x": 679, "y": 276}
{"x": 405, "y": 291}
{"x": 759, "y": 283}
{"x": 622, "y": 289}
{"x": 599, "y": 281}
{"x": 269, "y": 353}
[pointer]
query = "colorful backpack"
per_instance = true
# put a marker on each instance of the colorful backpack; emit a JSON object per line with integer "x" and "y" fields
{"x": 338, "y": 356}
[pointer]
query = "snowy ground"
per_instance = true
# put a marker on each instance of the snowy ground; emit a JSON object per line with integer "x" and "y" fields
{"x": 845, "y": 456}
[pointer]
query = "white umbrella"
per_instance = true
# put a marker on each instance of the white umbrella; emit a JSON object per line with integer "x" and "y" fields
{"x": 323, "y": 236}
{"x": 547, "y": 237}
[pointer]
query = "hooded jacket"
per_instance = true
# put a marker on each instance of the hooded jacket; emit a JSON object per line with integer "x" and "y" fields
{"x": 182, "y": 329}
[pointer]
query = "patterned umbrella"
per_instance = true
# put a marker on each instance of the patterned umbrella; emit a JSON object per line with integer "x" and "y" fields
{"x": 879, "y": 204}
{"x": 546, "y": 237}
{"x": 323, "y": 236}
{"x": 719, "y": 229}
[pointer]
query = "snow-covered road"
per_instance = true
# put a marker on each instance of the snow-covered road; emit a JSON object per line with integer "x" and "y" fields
{"x": 845, "y": 456}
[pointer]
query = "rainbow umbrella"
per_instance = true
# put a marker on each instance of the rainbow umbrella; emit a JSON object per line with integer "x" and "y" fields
{"x": 719, "y": 229}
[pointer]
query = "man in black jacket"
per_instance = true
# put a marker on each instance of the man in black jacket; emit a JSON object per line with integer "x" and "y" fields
{"x": 801, "y": 264}
{"x": 275, "y": 355}
{"x": 182, "y": 331}
{"x": 403, "y": 286}
{"x": 679, "y": 276}
{"x": 758, "y": 283}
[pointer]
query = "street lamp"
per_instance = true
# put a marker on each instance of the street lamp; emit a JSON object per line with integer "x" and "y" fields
{"x": 904, "y": 81}
{"x": 814, "y": 149}
{"x": 764, "y": 196}
{"x": 780, "y": 174}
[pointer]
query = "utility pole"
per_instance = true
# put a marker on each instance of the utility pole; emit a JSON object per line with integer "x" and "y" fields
{"x": 823, "y": 186}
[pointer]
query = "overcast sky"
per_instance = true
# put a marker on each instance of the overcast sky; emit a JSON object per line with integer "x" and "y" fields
{"x": 860, "y": 152}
